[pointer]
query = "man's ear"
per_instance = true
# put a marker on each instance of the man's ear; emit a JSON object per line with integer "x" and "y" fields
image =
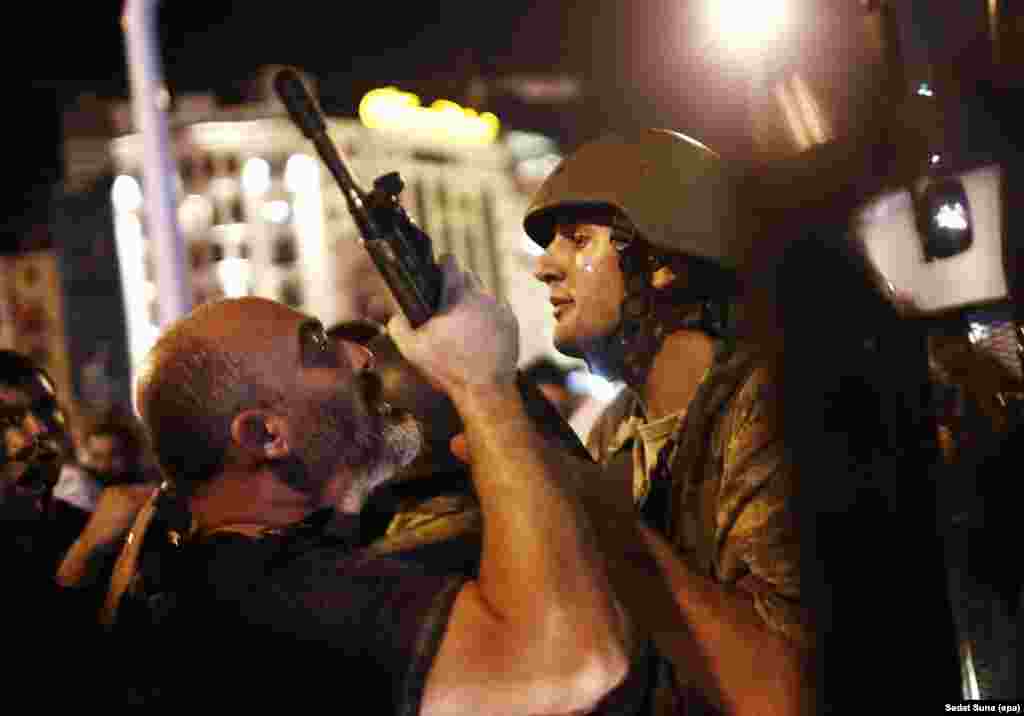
{"x": 260, "y": 433}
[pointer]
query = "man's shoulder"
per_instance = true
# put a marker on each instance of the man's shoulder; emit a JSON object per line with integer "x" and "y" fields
{"x": 272, "y": 581}
{"x": 740, "y": 414}
{"x": 315, "y": 602}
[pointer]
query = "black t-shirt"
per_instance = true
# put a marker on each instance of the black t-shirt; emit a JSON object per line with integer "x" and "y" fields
{"x": 292, "y": 616}
{"x": 296, "y": 617}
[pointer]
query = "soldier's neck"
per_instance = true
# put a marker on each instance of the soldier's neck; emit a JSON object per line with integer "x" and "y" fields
{"x": 676, "y": 373}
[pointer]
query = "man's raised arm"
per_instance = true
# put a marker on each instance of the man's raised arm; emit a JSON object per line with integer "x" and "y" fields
{"x": 539, "y": 631}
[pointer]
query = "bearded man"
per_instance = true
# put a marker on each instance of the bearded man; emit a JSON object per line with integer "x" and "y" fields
{"x": 275, "y": 435}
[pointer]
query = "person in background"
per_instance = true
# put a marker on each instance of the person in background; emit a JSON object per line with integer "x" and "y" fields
{"x": 112, "y": 451}
{"x": 42, "y": 617}
{"x": 115, "y": 451}
{"x": 34, "y": 433}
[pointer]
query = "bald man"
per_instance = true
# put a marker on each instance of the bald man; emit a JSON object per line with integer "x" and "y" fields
{"x": 266, "y": 425}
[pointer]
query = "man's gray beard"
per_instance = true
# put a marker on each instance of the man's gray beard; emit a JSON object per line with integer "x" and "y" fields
{"x": 379, "y": 444}
{"x": 401, "y": 440}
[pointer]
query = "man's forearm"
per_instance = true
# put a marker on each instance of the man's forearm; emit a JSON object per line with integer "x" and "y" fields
{"x": 84, "y": 562}
{"x": 712, "y": 635}
{"x": 540, "y": 565}
{"x": 738, "y": 660}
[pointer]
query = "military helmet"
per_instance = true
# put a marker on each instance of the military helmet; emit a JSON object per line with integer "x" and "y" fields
{"x": 677, "y": 193}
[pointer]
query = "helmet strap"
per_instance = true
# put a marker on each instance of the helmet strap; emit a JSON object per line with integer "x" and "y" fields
{"x": 648, "y": 314}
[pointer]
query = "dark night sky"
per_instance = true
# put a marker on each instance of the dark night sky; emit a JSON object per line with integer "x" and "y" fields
{"x": 632, "y": 60}
{"x": 639, "y": 62}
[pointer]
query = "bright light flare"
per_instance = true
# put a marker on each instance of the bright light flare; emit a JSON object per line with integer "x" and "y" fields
{"x": 256, "y": 176}
{"x": 744, "y": 26}
{"x": 596, "y": 386}
{"x": 392, "y": 109}
{"x": 137, "y": 292}
{"x": 530, "y": 248}
{"x": 302, "y": 174}
{"x": 234, "y": 273}
{"x": 126, "y": 194}
{"x": 195, "y": 214}
{"x": 952, "y": 216}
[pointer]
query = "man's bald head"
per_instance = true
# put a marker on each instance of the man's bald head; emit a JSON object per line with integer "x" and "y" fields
{"x": 203, "y": 371}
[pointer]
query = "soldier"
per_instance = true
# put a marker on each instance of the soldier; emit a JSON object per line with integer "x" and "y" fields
{"x": 641, "y": 255}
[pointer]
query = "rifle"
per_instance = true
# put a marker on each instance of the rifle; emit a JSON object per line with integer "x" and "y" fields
{"x": 401, "y": 251}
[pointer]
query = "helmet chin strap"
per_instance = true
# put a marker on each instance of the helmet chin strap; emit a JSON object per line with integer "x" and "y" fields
{"x": 648, "y": 314}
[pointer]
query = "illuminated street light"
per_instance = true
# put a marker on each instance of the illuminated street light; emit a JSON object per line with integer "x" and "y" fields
{"x": 392, "y": 109}
{"x": 788, "y": 100}
{"x": 747, "y": 27}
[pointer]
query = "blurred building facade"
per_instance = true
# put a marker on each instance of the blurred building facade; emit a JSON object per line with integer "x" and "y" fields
{"x": 33, "y": 313}
{"x": 261, "y": 215}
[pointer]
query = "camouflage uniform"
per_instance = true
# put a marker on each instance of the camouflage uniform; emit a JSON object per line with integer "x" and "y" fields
{"x": 440, "y": 531}
{"x": 726, "y": 502}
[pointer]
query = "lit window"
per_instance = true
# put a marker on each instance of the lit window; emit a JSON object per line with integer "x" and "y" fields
{"x": 233, "y": 274}
{"x": 277, "y": 211}
{"x": 126, "y": 194}
{"x": 256, "y": 176}
{"x": 301, "y": 174}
